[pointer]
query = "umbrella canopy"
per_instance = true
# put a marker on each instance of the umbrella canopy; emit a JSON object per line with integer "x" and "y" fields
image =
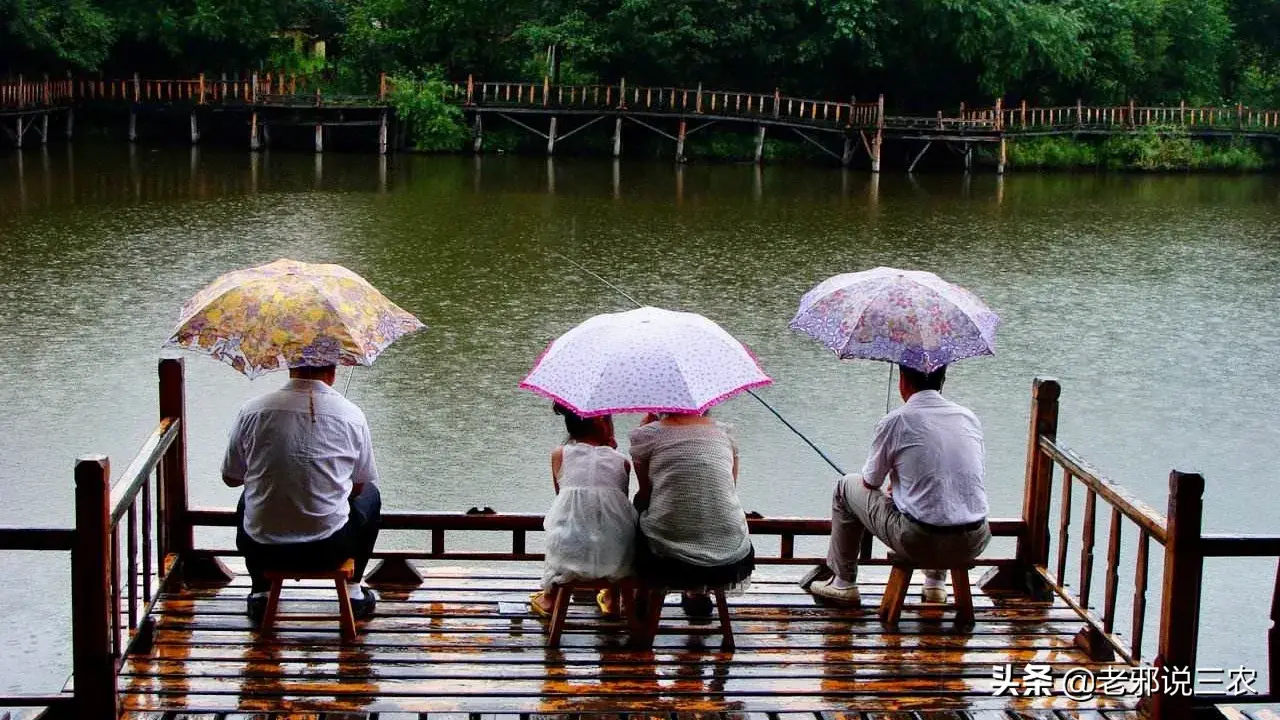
{"x": 644, "y": 360}
{"x": 290, "y": 314}
{"x": 908, "y": 317}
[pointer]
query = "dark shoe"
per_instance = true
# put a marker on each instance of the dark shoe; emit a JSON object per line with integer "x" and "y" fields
{"x": 256, "y": 609}
{"x": 363, "y": 608}
{"x": 696, "y": 605}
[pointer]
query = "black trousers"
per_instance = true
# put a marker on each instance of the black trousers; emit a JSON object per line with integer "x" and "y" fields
{"x": 354, "y": 540}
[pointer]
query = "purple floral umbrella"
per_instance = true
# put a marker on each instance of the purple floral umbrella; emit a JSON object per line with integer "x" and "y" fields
{"x": 907, "y": 317}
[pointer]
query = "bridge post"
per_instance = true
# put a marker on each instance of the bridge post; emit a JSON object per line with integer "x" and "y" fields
{"x": 319, "y": 137}
{"x": 698, "y": 103}
{"x": 195, "y": 127}
{"x": 617, "y": 136}
{"x": 477, "y": 135}
{"x": 879, "y": 139}
{"x": 17, "y": 139}
{"x": 254, "y": 141}
{"x": 968, "y": 158}
{"x": 200, "y": 96}
{"x": 1003, "y": 156}
{"x": 382, "y": 132}
{"x": 551, "y": 137}
{"x": 760, "y": 144}
{"x": 471, "y": 90}
{"x": 846, "y": 157}
{"x": 71, "y": 122}
{"x": 133, "y": 109}
{"x": 680, "y": 142}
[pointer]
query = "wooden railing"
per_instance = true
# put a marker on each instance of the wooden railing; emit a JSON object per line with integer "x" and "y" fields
{"x": 1232, "y": 118}
{"x": 113, "y": 591}
{"x": 32, "y": 539}
{"x": 1178, "y": 532}
{"x": 666, "y": 100}
{"x": 42, "y": 93}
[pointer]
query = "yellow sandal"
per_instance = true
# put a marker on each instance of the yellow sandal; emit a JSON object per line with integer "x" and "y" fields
{"x": 607, "y": 608}
{"x": 536, "y": 606}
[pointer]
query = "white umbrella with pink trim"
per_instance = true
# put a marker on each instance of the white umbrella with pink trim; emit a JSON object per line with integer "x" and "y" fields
{"x": 644, "y": 360}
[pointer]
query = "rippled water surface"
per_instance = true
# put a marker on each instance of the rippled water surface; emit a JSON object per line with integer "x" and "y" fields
{"x": 1153, "y": 299}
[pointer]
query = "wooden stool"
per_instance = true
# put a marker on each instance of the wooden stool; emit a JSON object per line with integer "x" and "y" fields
{"x": 895, "y": 594}
{"x": 340, "y": 578}
{"x": 562, "y": 596}
{"x": 656, "y": 601}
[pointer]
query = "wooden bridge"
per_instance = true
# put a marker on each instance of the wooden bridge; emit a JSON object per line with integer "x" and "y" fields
{"x": 839, "y": 129}
{"x": 159, "y": 630}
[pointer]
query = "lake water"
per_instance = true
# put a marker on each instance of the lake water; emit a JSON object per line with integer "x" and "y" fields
{"x": 1153, "y": 299}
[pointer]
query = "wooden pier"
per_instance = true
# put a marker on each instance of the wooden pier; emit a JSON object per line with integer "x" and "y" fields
{"x": 843, "y": 130}
{"x": 159, "y": 630}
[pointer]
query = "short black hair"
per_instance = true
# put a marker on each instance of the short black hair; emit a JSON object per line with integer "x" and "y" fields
{"x": 579, "y": 428}
{"x": 922, "y": 380}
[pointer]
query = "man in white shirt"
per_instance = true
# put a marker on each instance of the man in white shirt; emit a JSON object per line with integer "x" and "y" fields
{"x": 305, "y": 459}
{"x": 934, "y": 513}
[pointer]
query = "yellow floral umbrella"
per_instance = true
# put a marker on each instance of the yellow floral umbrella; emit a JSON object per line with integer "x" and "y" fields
{"x": 290, "y": 314}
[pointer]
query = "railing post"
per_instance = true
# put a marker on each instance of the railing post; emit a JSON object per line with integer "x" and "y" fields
{"x": 698, "y": 100}
{"x": 201, "y": 100}
{"x": 471, "y": 89}
{"x": 622, "y": 95}
{"x": 1033, "y": 546}
{"x": 1180, "y": 599}
{"x": 178, "y": 536}
{"x": 1079, "y": 112}
{"x": 382, "y": 87}
{"x": 93, "y": 664}
{"x": 777, "y": 102}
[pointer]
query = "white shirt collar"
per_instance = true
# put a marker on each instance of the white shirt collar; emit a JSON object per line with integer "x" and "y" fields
{"x": 308, "y": 385}
{"x": 925, "y": 397}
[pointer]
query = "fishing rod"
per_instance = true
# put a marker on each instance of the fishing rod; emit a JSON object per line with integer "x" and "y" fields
{"x": 750, "y": 392}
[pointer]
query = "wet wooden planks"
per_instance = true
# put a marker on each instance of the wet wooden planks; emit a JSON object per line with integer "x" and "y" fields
{"x": 1044, "y": 714}
{"x": 465, "y": 642}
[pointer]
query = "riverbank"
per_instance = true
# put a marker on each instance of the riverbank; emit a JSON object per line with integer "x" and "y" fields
{"x": 1149, "y": 150}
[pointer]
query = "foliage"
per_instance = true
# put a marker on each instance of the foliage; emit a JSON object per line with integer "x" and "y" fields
{"x": 922, "y": 54}
{"x": 434, "y": 124}
{"x": 1151, "y": 150}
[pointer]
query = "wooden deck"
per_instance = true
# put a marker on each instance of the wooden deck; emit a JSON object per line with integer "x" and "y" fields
{"x": 465, "y": 642}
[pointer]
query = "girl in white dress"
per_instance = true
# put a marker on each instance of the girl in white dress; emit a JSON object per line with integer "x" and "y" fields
{"x": 591, "y": 526}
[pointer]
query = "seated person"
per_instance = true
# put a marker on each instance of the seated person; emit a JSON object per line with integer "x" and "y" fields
{"x": 693, "y": 532}
{"x": 591, "y": 525}
{"x": 936, "y": 514}
{"x": 305, "y": 460}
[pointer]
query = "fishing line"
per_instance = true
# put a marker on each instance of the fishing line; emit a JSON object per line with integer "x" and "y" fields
{"x": 752, "y": 393}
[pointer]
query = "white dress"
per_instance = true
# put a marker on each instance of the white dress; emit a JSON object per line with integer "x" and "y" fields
{"x": 591, "y": 526}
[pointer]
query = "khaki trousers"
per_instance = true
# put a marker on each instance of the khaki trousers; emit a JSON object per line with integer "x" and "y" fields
{"x": 855, "y": 508}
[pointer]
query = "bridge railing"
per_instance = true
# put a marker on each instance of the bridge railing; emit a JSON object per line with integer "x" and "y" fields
{"x": 1235, "y": 118}
{"x": 22, "y": 94}
{"x": 664, "y": 100}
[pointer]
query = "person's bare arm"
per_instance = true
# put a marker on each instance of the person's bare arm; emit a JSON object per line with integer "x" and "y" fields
{"x": 643, "y": 487}
{"x": 557, "y": 460}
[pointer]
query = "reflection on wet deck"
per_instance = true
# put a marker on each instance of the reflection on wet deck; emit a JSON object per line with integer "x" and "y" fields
{"x": 464, "y": 642}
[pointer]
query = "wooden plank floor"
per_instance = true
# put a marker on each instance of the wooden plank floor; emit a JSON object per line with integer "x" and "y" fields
{"x": 465, "y": 642}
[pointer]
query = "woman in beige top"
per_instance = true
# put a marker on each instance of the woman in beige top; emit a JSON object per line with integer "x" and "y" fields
{"x": 693, "y": 532}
